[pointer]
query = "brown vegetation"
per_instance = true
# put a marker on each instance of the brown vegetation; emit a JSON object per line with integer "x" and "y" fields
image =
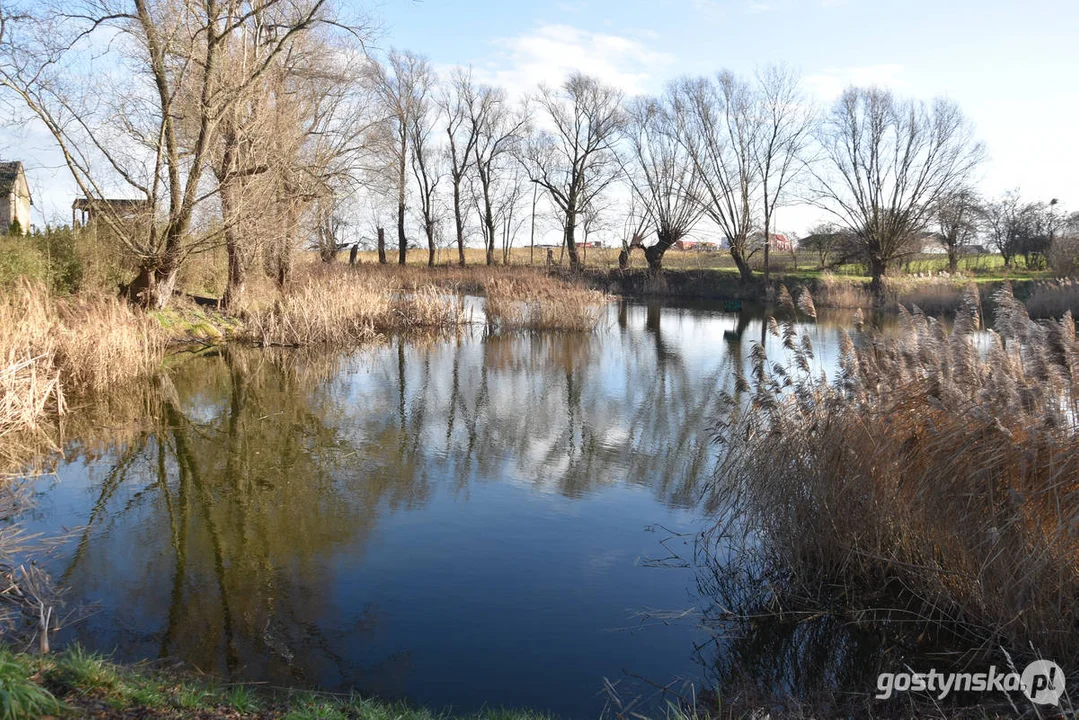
{"x": 933, "y": 474}
{"x": 542, "y": 304}
{"x": 53, "y": 347}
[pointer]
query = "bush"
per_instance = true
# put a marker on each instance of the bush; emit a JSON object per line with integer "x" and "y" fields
{"x": 48, "y": 258}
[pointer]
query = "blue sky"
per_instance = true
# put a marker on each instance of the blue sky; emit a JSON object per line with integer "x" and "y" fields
{"x": 1012, "y": 66}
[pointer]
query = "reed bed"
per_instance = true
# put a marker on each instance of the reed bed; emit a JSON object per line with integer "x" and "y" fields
{"x": 542, "y": 303}
{"x": 935, "y": 475}
{"x": 337, "y": 306}
{"x": 1053, "y": 299}
{"x": 53, "y": 348}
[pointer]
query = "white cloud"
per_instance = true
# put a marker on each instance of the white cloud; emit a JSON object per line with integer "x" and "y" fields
{"x": 550, "y": 52}
{"x": 759, "y": 7}
{"x": 830, "y": 82}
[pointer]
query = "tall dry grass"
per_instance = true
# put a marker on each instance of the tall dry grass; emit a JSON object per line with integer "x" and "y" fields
{"x": 936, "y": 475}
{"x": 1053, "y": 299}
{"x": 542, "y": 303}
{"x": 54, "y": 348}
{"x": 337, "y": 305}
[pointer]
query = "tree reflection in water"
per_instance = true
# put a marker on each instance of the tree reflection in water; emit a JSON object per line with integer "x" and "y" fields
{"x": 227, "y": 526}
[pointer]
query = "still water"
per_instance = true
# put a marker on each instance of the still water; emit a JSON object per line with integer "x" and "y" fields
{"x": 465, "y": 521}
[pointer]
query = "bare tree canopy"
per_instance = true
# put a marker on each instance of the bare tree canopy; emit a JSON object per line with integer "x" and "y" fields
{"x": 108, "y": 78}
{"x": 718, "y": 126}
{"x": 426, "y": 158}
{"x": 787, "y": 122}
{"x": 399, "y": 86}
{"x": 663, "y": 177}
{"x": 459, "y": 100}
{"x": 499, "y": 131}
{"x": 886, "y": 164}
{"x": 956, "y": 217}
{"x": 575, "y": 161}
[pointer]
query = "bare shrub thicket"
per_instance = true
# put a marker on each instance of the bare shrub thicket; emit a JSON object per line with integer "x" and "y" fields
{"x": 937, "y": 473}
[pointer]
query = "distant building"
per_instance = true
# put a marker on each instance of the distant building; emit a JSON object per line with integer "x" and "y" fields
{"x": 85, "y": 210}
{"x": 778, "y": 242}
{"x": 781, "y": 242}
{"x": 15, "y": 200}
{"x": 697, "y": 245}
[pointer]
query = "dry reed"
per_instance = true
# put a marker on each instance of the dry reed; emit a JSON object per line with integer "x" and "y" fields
{"x": 542, "y": 303}
{"x": 939, "y": 465}
{"x": 52, "y": 348}
{"x": 1053, "y": 299}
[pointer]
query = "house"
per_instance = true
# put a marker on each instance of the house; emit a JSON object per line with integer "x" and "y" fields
{"x": 778, "y": 242}
{"x": 781, "y": 242}
{"x": 15, "y": 200}
{"x": 84, "y": 210}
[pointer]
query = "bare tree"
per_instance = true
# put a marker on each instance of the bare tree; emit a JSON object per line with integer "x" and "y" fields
{"x": 956, "y": 216}
{"x": 459, "y": 100}
{"x": 499, "y": 131}
{"x": 395, "y": 85}
{"x": 121, "y": 132}
{"x": 663, "y": 177}
{"x": 887, "y": 163}
{"x": 576, "y": 161}
{"x": 787, "y": 124}
{"x": 425, "y": 157}
{"x": 717, "y": 124}
{"x": 508, "y": 210}
{"x": 302, "y": 125}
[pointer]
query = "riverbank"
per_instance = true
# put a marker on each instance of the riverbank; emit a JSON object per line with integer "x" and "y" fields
{"x": 74, "y": 683}
{"x": 936, "y": 293}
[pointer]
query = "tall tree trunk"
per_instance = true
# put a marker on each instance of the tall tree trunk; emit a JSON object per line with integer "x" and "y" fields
{"x": 237, "y": 277}
{"x": 654, "y": 253}
{"x": 382, "y": 246}
{"x": 767, "y": 247}
{"x": 953, "y": 259}
{"x": 402, "y": 243}
{"x": 877, "y": 270}
{"x": 570, "y": 242}
{"x": 459, "y": 220}
{"x": 235, "y": 283}
{"x": 745, "y": 273}
{"x": 429, "y": 228}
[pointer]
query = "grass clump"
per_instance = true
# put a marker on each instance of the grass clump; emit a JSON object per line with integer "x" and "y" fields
{"x": 20, "y": 695}
{"x": 542, "y": 303}
{"x": 338, "y": 306}
{"x": 938, "y": 465}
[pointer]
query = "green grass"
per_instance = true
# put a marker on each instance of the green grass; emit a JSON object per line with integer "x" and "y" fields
{"x": 76, "y": 683}
{"x": 20, "y": 695}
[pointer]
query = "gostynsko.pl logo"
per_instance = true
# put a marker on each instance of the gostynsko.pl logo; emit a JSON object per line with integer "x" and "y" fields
{"x": 1042, "y": 682}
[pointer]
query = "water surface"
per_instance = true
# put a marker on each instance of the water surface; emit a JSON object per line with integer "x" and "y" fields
{"x": 463, "y": 521}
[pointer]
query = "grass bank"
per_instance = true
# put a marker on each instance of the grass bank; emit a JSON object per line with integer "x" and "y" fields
{"x": 74, "y": 683}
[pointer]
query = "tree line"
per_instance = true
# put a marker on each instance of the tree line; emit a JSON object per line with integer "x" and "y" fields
{"x": 265, "y": 126}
